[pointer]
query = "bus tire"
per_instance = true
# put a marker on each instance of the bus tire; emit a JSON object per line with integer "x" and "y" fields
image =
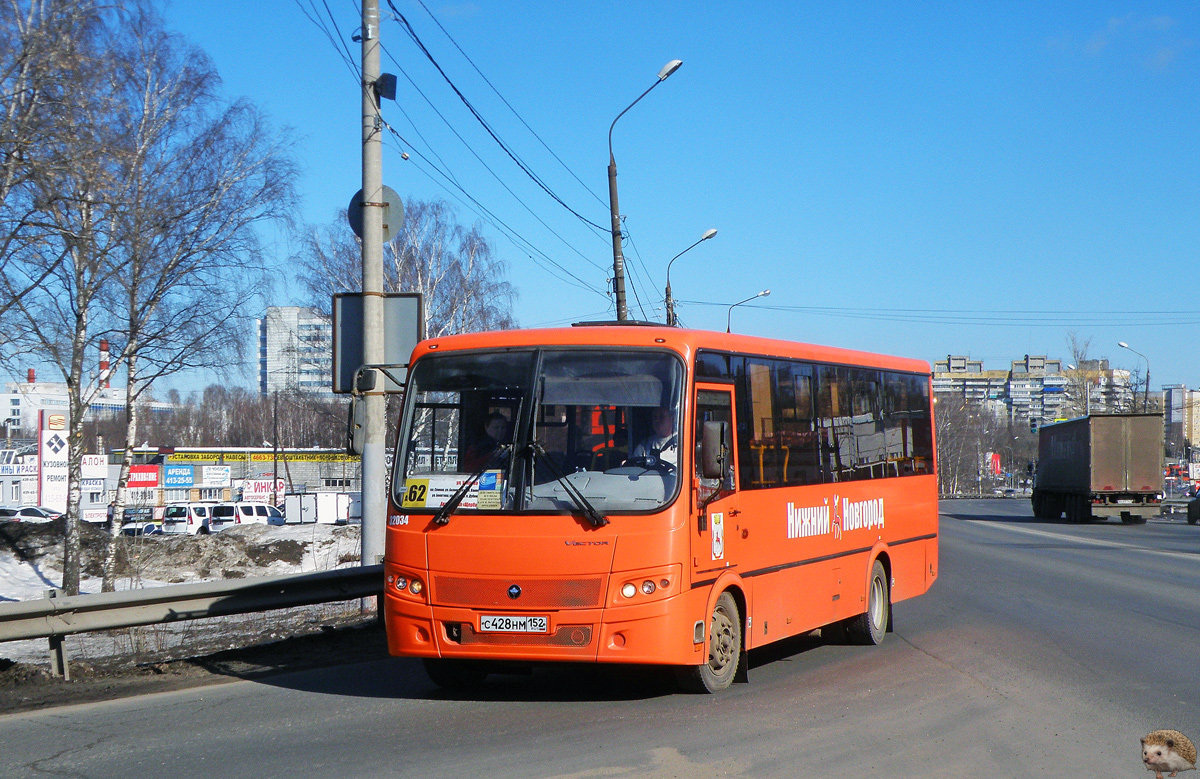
{"x": 455, "y": 675}
{"x": 871, "y": 626}
{"x": 724, "y": 650}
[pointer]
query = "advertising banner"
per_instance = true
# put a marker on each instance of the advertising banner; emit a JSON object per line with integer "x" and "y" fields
{"x": 143, "y": 476}
{"x": 96, "y": 516}
{"x": 259, "y": 490}
{"x": 94, "y": 466}
{"x": 216, "y": 475}
{"x": 178, "y": 476}
{"x": 29, "y": 491}
{"x": 52, "y": 457}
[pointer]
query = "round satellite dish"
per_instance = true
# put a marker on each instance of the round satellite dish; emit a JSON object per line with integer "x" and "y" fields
{"x": 393, "y": 213}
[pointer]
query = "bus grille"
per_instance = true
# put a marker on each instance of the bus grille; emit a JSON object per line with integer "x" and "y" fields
{"x": 535, "y": 593}
{"x": 566, "y": 635}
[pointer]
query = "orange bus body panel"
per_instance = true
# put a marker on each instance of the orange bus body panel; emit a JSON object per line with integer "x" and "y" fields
{"x": 795, "y": 557}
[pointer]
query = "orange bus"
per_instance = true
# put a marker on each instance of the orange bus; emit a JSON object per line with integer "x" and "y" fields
{"x": 647, "y": 494}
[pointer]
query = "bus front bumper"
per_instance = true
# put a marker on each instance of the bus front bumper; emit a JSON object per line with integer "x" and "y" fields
{"x": 659, "y": 632}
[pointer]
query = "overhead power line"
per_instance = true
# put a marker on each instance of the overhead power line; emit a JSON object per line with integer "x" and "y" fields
{"x": 509, "y": 105}
{"x": 481, "y": 161}
{"x": 1030, "y": 318}
{"x": 543, "y": 260}
{"x": 487, "y": 127}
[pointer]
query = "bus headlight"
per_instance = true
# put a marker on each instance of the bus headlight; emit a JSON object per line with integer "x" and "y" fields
{"x": 638, "y": 586}
{"x": 416, "y": 587}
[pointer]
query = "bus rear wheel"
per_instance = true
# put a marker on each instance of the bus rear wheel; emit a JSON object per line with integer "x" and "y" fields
{"x": 724, "y": 650}
{"x": 871, "y": 626}
{"x": 456, "y": 675}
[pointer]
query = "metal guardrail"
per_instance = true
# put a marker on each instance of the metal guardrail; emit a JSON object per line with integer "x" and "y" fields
{"x": 56, "y": 616}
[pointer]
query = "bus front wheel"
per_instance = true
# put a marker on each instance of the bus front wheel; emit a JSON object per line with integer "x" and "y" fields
{"x": 724, "y": 650}
{"x": 871, "y": 626}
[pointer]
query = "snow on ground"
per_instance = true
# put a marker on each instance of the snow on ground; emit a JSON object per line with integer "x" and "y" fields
{"x": 31, "y": 563}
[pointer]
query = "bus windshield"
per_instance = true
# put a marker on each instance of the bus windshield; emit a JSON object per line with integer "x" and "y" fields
{"x": 528, "y": 428}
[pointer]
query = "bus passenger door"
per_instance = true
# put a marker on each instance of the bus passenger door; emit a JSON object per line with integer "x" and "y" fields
{"x": 715, "y": 510}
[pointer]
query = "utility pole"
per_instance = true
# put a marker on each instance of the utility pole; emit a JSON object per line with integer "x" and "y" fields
{"x": 374, "y": 476}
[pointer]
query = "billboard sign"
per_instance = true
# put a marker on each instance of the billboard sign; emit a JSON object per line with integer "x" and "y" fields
{"x": 52, "y": 459}
{"x": 93, "y": 466}
{"x": 143, "y": 476}
{"x": 216, "y": 475}
{"x": 175, "y": 476}
{"x": 260, "y": 490}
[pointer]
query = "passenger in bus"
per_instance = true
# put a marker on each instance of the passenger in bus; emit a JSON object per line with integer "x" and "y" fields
{"x": 495, "y": 432}
{"x": 662, "y": 445}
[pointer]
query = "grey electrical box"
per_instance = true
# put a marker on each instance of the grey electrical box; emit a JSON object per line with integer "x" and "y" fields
{"x": 403, "y": 326}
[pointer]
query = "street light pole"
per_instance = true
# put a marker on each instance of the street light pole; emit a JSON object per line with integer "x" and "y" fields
{"x": 729, "y": 313}
{"x": 374, "y": 468}
{"x": 1146, "y": 395}
{"x": 618, "y": 256}
{"x": 670, "y": 300}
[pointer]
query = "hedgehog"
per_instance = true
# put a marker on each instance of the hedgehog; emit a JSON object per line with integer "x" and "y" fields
{"x": 1168, "y": 750}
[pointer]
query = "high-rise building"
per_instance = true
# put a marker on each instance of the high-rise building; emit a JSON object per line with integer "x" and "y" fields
{"x": 295, "y": 351}
{"x": 1035, "y": 387}
{"x": 1181, "y": 417}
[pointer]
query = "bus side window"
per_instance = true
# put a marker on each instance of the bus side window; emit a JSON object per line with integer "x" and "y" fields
{"x": 714, "y": 406}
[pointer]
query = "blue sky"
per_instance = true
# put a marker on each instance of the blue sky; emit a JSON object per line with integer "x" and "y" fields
{"x": 917, "y": 179}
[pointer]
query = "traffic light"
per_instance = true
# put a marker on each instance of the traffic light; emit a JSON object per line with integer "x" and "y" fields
{"x": 1032, "y": 425}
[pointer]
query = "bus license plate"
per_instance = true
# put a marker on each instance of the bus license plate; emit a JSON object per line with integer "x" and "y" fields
{"x": 500, "y": 623}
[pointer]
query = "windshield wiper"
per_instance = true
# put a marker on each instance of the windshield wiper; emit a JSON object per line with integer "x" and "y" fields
{"x": 443, "y": 514}
{"x": 585, "y": 507}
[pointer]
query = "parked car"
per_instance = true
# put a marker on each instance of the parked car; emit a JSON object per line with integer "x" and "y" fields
{"x": 30, "y": 514}
{"x": 260, "y": 513}
{"x": 223, "y": 515}
{"x": 187, "y": 518}
{"x": 9, "y": 515}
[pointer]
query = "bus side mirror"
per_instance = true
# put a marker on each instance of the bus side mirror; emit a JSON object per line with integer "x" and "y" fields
{"x": 714, "y": 455}
{"x": 356, "y": 427}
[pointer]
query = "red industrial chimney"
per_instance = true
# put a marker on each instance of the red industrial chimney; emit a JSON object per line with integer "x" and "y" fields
{"x": 32, "y": 376}
{"x": 104, "y": 363}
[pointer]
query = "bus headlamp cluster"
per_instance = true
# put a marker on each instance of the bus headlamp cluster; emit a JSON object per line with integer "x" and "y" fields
{"x": 648, "y": 587}
{"x": 402, "y": 583}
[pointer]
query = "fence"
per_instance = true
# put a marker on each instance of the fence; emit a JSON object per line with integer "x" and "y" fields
{"x": 56, "y": 616}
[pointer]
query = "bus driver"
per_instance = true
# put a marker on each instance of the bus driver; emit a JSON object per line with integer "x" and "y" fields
{"x": 662, "y": 445}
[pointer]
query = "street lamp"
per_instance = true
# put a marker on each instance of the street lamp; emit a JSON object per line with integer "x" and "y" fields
{"x": 618, "y": 257}
{"x": 1146, "y": 396}
{"x": 729, "y": 313}
{"x": 670, "y": 300}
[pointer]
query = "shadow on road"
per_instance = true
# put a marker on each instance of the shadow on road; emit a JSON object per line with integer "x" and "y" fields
{"x": 381, "y": 676}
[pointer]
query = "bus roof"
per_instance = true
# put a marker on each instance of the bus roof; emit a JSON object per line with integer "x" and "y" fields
{"x": 686, "y": 342}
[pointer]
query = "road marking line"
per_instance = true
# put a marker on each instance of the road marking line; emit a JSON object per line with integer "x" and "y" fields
{"x": 1085, "y": 541}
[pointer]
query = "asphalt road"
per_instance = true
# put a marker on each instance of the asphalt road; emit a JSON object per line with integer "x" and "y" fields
{"x": 1045, "y": 649}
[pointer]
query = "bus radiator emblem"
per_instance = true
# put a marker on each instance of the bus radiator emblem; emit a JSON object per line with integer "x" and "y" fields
{"x": 514, "y": 592}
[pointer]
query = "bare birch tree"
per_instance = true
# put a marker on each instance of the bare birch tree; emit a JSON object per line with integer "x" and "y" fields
{"x": 202, "y": 176}
{"x": 454, "y": 267}
{"x": 77, "y": 193}
{"x": 42, "y": 44}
